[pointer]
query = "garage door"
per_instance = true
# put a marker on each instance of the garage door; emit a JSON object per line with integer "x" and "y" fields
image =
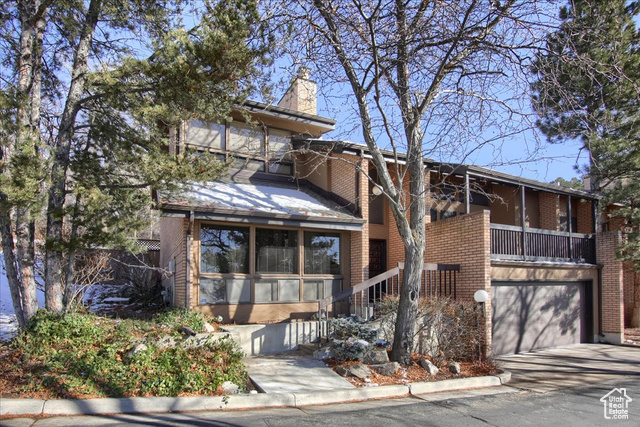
{"x": 532, "y": 315}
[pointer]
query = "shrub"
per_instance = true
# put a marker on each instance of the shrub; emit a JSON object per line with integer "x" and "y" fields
{"x": 446, "y": 329}
{"x": 79, "y": 355}
{"x": 351, "y": 338}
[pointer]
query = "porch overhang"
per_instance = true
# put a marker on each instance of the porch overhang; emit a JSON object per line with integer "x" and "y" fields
{"x": 264, "y": 204}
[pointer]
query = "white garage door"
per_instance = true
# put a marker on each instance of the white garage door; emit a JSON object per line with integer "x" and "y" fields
{"x": 532, "y": 315}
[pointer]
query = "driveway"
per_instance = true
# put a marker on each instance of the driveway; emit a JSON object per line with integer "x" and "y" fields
{"x": 577, "y": 365}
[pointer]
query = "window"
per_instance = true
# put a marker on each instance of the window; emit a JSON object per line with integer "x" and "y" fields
{"x": 316, "y": 289}
{"x": 279, "y": 144}
{"x": 480, "y": 199}
{"x": 448, "y": 214}
{"x": 277, "y": 290}
{"x": 224, "y": 249}
{"x": 321, "y": 253}
{"x": 248, "y": 164}
{"x": 234, "y": 291}
{"x": 276, "y": 251}
{"x": 246, "y": 139}
{"x": 376, "y": 202}
{"x": 206, "y": 134}
{"x": 564, "y": 224}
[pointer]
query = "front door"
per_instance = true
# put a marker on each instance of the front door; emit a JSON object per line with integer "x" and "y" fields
{"x": 377, "y": 265}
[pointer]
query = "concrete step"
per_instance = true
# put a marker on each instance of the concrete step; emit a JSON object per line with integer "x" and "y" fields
{"x": 308, "y": 348}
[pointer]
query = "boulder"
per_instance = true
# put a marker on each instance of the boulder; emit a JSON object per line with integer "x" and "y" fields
{"x": 358, "y": 371}
{"x": 454, "y": 368}
{"x": 208, "y": 327}
{"x": 429, "y": 367}
{"x": 166, "y": 341}
{"x": 187, "y": 331}
{"x": 197, "y": 340}
{"x": 387, "y": 369}
{"x": 136, "y": 349}
{"x": 230, "y": 388}
{"x": 376, "y": 357}
{"x": 325, "y": 352}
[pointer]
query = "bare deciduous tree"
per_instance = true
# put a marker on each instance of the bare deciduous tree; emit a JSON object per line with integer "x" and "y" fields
{"x": 428, "y": 79}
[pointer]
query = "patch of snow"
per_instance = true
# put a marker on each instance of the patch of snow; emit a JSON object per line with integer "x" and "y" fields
{"x": 261, "y": 198}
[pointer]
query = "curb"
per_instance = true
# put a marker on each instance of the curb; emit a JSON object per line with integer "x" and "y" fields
{"x": 137, "y": 405}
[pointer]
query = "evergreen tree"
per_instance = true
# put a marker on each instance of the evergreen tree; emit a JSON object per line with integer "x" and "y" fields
{"x": 90, "y": 92}
{"x": 588, "y": 88}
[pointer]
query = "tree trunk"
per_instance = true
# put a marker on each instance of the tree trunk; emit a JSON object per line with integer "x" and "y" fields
{"x": 20, "y": 254}
{"x": 11, "y": 270}
{"x": 54, "y": 291}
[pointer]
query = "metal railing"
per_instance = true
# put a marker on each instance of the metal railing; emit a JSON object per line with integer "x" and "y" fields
{"x": 438, "y": 280}
{"x": 511, "y": 243}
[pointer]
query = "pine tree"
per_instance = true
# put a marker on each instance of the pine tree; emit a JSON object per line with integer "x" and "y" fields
{"x": 588, "y": 88}
{"x": 86, "y": 145}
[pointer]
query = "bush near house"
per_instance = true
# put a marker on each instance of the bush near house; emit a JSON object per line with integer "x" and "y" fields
{"x": 446, "y": 329}
{"x": 79, "y": 355}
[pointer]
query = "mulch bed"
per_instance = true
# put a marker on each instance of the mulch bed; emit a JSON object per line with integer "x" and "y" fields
{"x": 415, "y": 373}
{"x": 632, "y": 336}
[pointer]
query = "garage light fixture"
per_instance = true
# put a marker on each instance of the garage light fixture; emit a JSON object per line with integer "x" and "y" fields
{"x": 481, "y": 296}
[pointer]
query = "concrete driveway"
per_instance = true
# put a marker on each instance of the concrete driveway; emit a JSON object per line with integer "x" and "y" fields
{"x": 549, "y": 370}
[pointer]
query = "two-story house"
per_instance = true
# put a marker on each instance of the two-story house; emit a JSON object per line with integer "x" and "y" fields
{"x": 298, "y": 222}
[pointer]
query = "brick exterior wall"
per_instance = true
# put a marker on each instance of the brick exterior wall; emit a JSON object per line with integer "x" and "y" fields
{"x": 172, "y": 246}
{"x": 342, "y": 178}
{"x": 585, "y": 216}
{"x": 465, "y": 240}
{"x": 611, "y": 286}
{"x": 631, "y": 277}
{"x": 549, "y": 210}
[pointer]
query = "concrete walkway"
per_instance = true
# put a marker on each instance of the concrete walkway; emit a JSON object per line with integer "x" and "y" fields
{"x": 293, "y": 372}
{"x": 549, "y": 370}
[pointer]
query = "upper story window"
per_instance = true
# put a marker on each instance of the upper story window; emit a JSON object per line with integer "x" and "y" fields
{"x": 246, "y": 139}
{"x": 253, "y": 147}
{"x": 207, "y": 134}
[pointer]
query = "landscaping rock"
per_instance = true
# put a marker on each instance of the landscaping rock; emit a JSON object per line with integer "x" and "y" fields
{"x": 342, "y": 371}
{"x": 325, "y": 352}
{"x": 358, "y": 371}
{"x": 387, "y": 369}
{"x": 198, "y": 340}
{"x": 166, "y": 342}
{"x": 375, "y": 357}
{"x": 230, "y": 388}
{"x": 429, "y": 367}
{"x": 454, "y": 367}
{"x": 208, "y": 327}
{"x": 187, "y": 330}
{"x": 136, "y": 349}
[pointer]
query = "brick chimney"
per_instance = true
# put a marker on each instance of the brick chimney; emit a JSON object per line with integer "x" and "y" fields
{"x": 302, "y": 94}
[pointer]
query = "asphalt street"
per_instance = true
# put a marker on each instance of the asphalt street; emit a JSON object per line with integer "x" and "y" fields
{"x": 501, "y": 406}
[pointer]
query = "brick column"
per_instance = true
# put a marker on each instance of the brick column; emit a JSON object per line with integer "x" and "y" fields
{"x": 611, "y": 283}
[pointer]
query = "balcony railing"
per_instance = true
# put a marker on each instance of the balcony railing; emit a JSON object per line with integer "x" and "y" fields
{"x": 511, "y": 243}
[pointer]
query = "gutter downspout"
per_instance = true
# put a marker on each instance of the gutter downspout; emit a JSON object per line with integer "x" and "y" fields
{"x": 188, "y": 260}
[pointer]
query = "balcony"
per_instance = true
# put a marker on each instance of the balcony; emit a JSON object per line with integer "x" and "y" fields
{"x": 532, "y": 244}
